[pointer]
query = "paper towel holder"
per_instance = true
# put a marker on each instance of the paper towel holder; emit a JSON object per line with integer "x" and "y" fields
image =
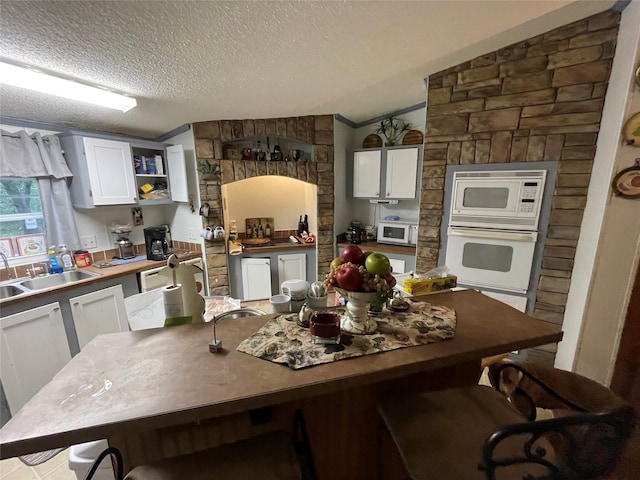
{"x": 215, "y": 345}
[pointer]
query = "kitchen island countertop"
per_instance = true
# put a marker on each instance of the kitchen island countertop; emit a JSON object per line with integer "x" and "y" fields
{"x": 130, "y": 386}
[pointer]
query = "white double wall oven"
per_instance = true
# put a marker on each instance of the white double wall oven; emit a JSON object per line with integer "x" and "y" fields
{"x": 491, "y": 237}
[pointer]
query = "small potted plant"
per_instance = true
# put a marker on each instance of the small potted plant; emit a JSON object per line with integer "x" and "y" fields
{"x": 392, "y": 129}
{"x": 209, "y": 171}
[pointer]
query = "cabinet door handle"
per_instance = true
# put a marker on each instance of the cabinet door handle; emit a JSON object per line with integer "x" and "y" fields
{"x": 388, "y": 194}
{"x": 56, "y": 309}
{"x": 377, "y": 193}
{"x": 75, "y": 304}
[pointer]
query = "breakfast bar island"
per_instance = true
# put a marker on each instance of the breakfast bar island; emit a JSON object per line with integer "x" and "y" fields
{"x": 160, "y": 393}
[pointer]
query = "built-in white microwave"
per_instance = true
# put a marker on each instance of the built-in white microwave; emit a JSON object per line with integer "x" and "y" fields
{"x": 508, "y": 199}
{"x": 399, "y": 233}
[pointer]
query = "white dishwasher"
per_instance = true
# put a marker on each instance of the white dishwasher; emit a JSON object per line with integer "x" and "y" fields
{"x": 151, "y": 279}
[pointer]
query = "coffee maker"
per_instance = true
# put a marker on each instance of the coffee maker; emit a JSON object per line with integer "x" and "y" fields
{"x": 155, "y": 240}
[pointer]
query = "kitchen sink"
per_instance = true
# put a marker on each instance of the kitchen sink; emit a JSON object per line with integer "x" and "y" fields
{"x": 57, "y": 279}
{"x": 7, "y": 291}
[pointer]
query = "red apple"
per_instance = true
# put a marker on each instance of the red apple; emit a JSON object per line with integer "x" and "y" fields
{"x": 353, "y": 254}
{"x": 349, "y": 278}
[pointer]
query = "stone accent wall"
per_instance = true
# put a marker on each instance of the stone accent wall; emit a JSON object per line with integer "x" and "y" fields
{"x": 209, "y": 138}
{"x": 537, "y": 100}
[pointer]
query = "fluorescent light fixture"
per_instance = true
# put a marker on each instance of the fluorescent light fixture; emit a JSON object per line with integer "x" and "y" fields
{"x": 42, "y": 82}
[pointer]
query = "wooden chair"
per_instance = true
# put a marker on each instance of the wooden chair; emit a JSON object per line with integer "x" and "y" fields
{"x": 277, "y": 455}
{"x": 482, "y": 432}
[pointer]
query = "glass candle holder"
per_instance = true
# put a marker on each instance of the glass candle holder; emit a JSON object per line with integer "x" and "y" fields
{"x": 325, "y": 328}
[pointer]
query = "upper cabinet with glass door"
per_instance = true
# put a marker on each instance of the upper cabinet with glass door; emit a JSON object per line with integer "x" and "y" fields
{"x": 386, "y": 173}
{"x": 107, "y": 171}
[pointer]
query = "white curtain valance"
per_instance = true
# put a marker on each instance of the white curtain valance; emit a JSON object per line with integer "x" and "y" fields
{"x": 29, "y": 156}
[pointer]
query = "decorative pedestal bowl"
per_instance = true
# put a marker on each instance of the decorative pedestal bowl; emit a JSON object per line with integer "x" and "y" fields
{"x": 357, "y": 319}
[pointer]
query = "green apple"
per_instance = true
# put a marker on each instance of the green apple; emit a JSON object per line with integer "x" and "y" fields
{"x": 335, "y": 263}
{"x": 377, "y": 264}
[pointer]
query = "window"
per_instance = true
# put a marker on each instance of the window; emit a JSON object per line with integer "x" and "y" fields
{"x": 22, "y": 227}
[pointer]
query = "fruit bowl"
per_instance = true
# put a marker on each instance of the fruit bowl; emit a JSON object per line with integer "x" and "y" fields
{"x": 361, "y": 278}
{"x": 357, "y": 319}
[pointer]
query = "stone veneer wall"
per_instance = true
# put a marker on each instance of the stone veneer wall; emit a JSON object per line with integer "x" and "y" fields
{"x": 537, "y": 100}
{"x": 209, "y": 138}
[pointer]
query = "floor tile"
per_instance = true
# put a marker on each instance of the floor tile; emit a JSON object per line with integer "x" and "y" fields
{"x": 61, "y": 472}
{"x": 22, "y": 473}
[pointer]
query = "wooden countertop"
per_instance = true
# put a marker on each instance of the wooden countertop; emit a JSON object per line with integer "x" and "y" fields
{"x": 373, "y": 246}
{"x": 271, "y": 247}
{"x": 136, "y": 381}
{"x": 101, "y": 275}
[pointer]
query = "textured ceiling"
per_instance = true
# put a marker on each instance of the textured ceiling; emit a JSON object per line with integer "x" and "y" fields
{"x": 193, "y": 61}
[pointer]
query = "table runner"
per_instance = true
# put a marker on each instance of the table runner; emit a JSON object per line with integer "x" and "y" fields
{"x": 282, "y": 340}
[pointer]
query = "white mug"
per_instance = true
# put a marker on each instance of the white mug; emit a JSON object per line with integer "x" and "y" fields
{"x": 207, "y": 233}
{"x": 218, "y": 232}
{"x": 280, "y": 303}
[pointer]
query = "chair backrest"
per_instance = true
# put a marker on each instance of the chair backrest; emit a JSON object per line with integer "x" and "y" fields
{"x": 583, "y": 441}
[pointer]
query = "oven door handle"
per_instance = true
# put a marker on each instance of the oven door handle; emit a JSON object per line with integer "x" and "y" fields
{"x": 528, "y": 237}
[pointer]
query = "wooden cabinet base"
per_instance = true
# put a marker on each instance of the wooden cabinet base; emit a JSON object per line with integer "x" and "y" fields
{"x": 345, "y": 432}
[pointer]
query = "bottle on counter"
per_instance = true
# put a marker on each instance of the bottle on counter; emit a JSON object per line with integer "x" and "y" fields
{"x": 267, "y": 230}
{"x": 260, "y": 231}
{"x": 233, "y": 231}
{"x": 66, "y": 257}
{"x": 277, "y": 153}
{"x": 260, "y": 155}
{"x": 54, "y": 264}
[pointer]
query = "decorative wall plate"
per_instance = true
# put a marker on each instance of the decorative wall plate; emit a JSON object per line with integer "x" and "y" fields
{"x": 6, "y": 247}
{"x": 372, "y": 141}
{"x": 626, "y": 183}
{"x": 412, "y": 137}
{"x": 31, "y": 244}
{"x": 631, "y": 130}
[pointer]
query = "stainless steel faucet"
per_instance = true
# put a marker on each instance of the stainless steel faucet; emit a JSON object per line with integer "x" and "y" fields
{"x": 6, "y": 265}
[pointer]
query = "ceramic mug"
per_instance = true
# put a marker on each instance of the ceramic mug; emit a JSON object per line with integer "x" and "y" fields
{"x": 207, "y": 233}
{"x": 280, "y": 303}
{"x": 218, "y": 232}
{"x": 317, "y": 302}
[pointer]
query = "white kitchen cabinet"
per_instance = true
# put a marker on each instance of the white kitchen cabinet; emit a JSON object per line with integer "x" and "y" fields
{"x": 256, "y": 278}
{"x": 292, "y": 267}
{"x": 397, "y": 266}
{"x": 110, "y": 171}
{"x": 386, "y": 174}
{"x": 99, "y": 312}
{"x": 34, "y": 348}
{"x": 366, "y": 173}
{"x": 402, "y": 172}
{"x": 104, "y": 171}
{"x": 177, "y": 172}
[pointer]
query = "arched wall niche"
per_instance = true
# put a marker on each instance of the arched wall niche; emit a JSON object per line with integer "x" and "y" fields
{"x": 210, "y": 138}
{"x": 281, "y": 198}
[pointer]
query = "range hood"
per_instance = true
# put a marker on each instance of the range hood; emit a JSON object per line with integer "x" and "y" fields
{"x": 384, "y": 202}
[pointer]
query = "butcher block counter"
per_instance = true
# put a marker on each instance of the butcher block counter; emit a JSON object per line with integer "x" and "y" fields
{"x": 160, "y": 392}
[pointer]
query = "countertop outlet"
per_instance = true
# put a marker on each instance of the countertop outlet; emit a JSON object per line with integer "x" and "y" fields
{"x": 88, "y": 241}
